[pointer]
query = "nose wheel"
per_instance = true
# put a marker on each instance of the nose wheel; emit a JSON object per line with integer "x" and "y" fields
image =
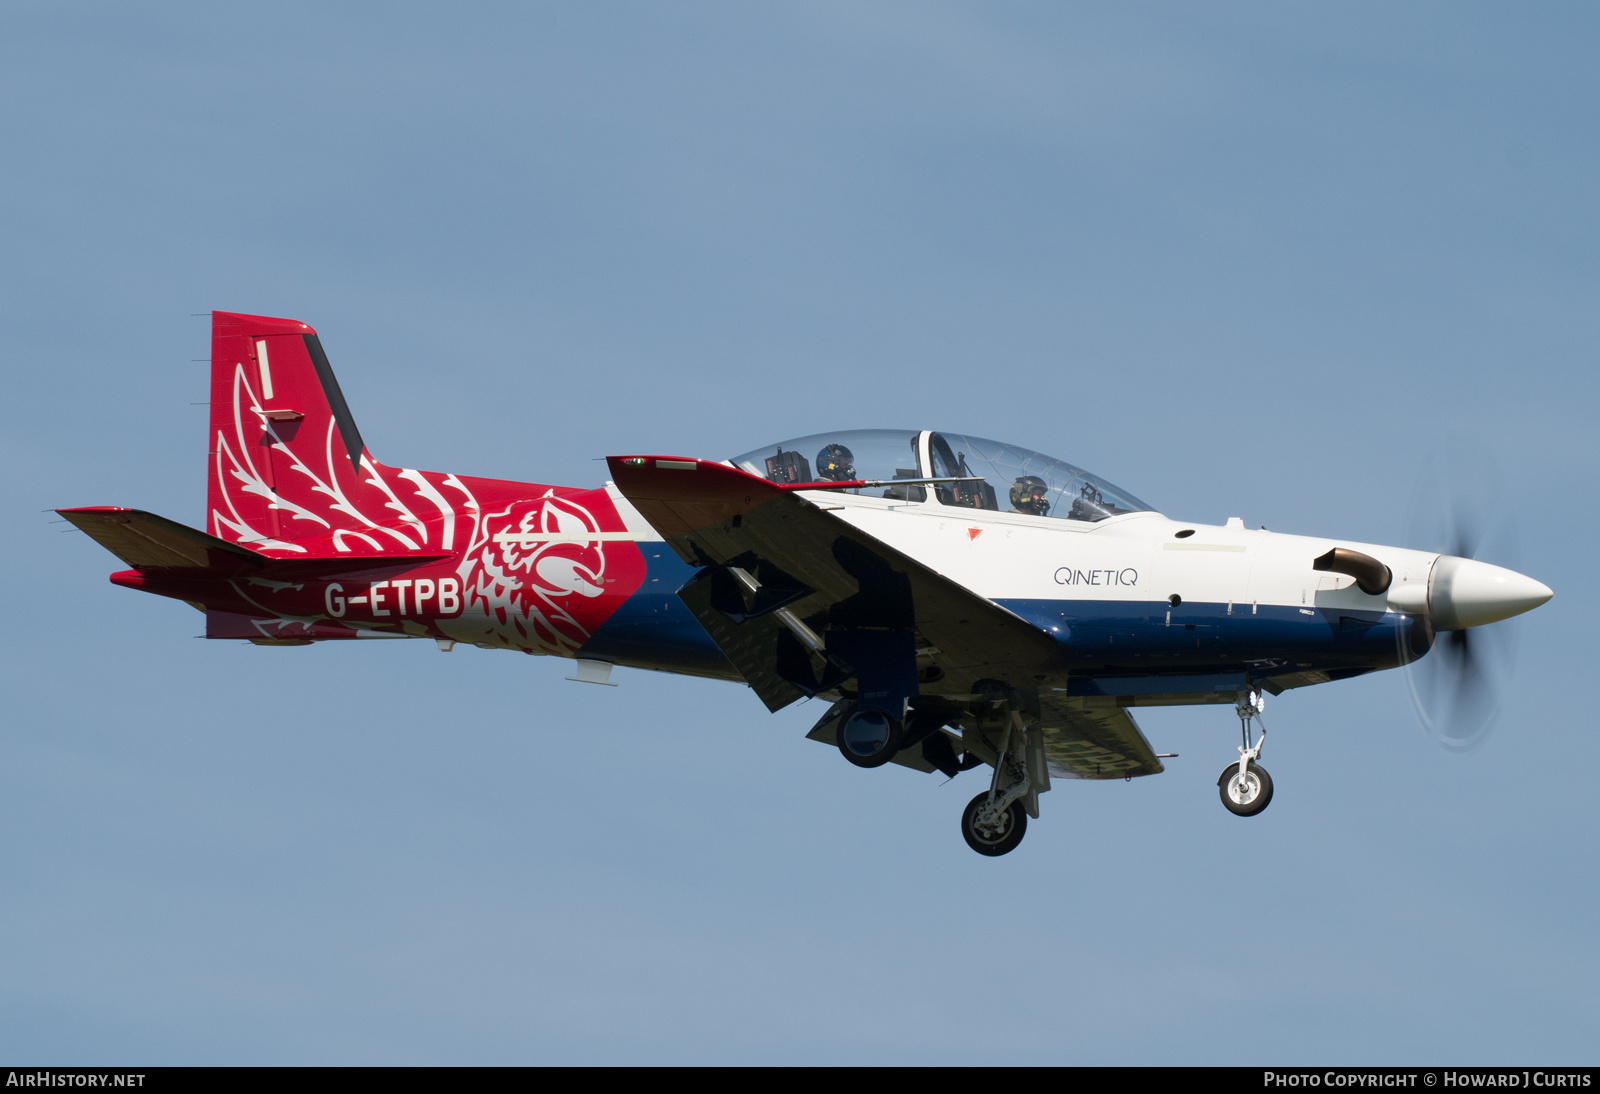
{"x": 1246, "y": 788}
{"x": 1245, "y": 794}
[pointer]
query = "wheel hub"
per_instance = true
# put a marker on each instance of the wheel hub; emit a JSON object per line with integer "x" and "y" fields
{"x": 1244, "y": 791}
{"x": 992, "y": 826}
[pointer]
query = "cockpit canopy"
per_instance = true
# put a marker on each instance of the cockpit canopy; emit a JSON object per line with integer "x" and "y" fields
{"x": 1000, "y": 477}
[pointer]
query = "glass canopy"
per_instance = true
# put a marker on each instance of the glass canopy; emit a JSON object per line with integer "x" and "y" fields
{"x": 995, "y": 476}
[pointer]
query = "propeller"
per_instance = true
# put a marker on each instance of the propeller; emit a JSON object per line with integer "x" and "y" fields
{"x": 1460, "y": 508}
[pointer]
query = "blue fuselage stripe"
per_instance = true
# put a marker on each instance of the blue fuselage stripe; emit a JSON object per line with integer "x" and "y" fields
{"x": 1141, "y": 641}
{"x": 1152, "y": 639}
{"x": 653, "y": 629}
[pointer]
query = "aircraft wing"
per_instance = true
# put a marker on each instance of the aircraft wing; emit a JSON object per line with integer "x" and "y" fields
{"x": 1093, "y": 739}
{"x": 1083, "y": 739}
{"x": 819, "y": 571}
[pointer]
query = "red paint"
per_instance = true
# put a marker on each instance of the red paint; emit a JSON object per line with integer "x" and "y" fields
{"x": 320, "y": 529}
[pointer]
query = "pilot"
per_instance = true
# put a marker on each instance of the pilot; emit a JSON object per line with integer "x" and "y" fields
{"x": 1028, "y": 495}
{"x": 836, "y": 463}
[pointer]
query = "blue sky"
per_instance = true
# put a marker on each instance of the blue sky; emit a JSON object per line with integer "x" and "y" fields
{"x": 1244, "y": 260}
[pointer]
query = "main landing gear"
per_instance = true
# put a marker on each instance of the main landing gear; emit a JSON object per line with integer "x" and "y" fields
{"x": 991, "y": 831}
{"x": 1246, "y": 788}
{"x": 995, "y": 821}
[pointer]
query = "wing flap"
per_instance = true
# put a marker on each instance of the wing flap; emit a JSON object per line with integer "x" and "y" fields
{"x": 750, "y": 645}
{"x": 1093, "y": 739}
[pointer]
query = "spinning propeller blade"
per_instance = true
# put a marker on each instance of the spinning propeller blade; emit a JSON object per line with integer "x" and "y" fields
{"x": 1461, "y": 510}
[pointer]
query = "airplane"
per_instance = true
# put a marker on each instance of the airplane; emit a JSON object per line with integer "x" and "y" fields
{"x": 960, "y": 603}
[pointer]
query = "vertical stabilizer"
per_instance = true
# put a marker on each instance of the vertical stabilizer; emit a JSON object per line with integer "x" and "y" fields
{"x": 289, "y": 474}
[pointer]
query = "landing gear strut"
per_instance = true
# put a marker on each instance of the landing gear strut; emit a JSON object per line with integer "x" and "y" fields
{"x": 1246, "y": 788}
{"x": 995, "y": 821}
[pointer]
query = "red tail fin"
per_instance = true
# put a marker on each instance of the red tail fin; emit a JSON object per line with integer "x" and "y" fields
{"x": 297, "y": 510}
{"x": 289, "y": 474}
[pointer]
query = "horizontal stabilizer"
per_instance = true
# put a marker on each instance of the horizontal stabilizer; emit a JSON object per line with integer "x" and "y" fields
{"x": 161, "y": 547}
{"x": 148, "y": 542}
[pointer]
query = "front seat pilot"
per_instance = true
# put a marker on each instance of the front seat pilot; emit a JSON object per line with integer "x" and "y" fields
{"x": 836, "y": 463}
{"x": 1028, "y": 495}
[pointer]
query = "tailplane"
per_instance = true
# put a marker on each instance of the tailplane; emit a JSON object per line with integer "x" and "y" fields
{"x": 152, "y": 544}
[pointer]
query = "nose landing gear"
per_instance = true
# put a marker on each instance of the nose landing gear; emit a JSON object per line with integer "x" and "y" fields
{"x": 1246, "y": 788}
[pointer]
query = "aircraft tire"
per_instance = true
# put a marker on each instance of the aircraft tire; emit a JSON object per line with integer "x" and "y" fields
{"x": 1247, "y": 805}
{"x": 1016, "y": 826}
{"x": 870, "y": 738}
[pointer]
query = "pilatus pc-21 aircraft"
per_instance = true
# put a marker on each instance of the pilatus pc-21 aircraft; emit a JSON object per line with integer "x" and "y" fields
{"x": 960, "y": 602}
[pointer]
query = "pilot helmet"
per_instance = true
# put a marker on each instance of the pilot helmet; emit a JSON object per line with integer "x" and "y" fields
{"x": 836, "y": 463}
{"x": 1028, "y": 495}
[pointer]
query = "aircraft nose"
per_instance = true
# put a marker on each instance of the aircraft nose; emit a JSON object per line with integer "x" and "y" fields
{"x": 1463, "y": 592}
